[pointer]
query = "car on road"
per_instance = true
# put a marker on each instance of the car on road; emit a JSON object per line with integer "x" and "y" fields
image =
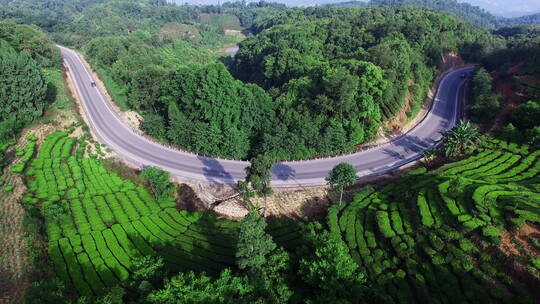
{"x": 93, "y": 84}
{"x": 464, "y": 75}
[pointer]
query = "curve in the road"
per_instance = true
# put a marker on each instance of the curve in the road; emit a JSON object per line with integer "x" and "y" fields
{"x": 110, "y": 129}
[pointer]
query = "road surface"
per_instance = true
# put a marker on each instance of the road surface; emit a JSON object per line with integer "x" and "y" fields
{"x": 187, "y": 166}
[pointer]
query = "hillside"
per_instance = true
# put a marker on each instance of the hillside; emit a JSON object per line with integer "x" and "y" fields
{"x": 462, "y": 10}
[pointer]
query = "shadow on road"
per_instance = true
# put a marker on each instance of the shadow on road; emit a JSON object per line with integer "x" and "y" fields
{"x": 413, "y": 144}
{"x": 283, "y": 171}
{"x": 214, "y": 172}
{"x": 393, "y": 154}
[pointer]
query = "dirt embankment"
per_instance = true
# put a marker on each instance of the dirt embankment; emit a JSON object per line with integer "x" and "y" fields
{"x": 510, "y": 85}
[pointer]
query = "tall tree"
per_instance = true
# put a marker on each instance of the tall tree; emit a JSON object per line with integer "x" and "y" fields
{"x": 258, "y": 174}
{"x": 342, "y": 176}
{"x": 330, "y": 271}
{"x": 254, "y": 244}
{"x": 23, "y": 88}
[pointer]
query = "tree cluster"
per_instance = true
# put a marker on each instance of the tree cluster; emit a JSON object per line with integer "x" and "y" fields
{"x": 336, "y": 74}
{"x": 483, "y": 105}
{"x": 24, "y": 91}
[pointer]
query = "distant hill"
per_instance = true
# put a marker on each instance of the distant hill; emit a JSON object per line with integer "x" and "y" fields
{"x": 507, "y": 8}
{"x": 533, "y": 19}
{"x": 465, "y": 11}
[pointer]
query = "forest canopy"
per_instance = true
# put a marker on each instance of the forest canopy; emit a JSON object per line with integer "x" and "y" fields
{"x": 315, "y": 81}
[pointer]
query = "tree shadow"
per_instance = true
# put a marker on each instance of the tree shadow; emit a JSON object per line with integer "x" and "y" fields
{"x": 50, "y": 93}
{"x": 214, "y": 171}
{"x": 414, "y": 143}
{"x": 286, "y": 232}
{"x": 316, "y": 208}
{"x": 189, "y": 200}
{"x": 393, "y": 153}
{"x": 283, "y": 172}
{"x": 209, "y": 245}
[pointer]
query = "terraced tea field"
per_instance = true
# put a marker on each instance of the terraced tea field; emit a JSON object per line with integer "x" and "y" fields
{"x": 98, "y": 224}
{"x": 433, "y": 237}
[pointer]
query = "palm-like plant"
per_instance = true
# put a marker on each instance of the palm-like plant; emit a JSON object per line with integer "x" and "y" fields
{"x": 461, "y": 137}
{"x": 429, "y": 155}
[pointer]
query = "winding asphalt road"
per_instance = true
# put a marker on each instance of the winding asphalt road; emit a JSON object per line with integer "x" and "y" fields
{"x": 106, "y": 124}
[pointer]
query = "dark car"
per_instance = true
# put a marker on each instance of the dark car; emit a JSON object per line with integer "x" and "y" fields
{"x": 464, "y": 75}
{"x": 93, "y": 84}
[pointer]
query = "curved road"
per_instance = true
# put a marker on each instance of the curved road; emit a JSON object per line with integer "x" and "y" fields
{"x": 106, "y": 124}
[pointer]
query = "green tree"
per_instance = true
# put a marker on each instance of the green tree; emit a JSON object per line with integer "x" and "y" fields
{"x": 159, "y": 182}
{"x": 429, "y": 155}
{"x": 202, "y": 289}
{"x": 330, "y": 271}
{"x": 340, "y": 177}
{"x": 254, "y": 244}
{"x": 273, "y": 281}
{"x": 526, "y": 116}
{"x": 484, "y": 104}
{"x": 146, "y": 88}
{"x": 258, "y": 174}
{"x": 115, "y": 295}
{"x": 23, "y": 89}
{"x": 148, "y": 273}
{"x": 464, "y": 135}
{"x": 47, "y": 291}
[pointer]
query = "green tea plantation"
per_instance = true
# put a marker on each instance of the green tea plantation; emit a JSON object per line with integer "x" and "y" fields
{"x": 98, "y": 223}
{"x": 433, "y": 237}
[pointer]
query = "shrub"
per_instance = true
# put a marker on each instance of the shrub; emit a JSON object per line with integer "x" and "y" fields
{"x": 466, "y": 245}
{"x": 491, "y": 231}
{"x": 384, "y": 224}
{"x": 425, "y": 214}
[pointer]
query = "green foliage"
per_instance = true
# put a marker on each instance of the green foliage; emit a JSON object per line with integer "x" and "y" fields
{"x": 199, "y": 288}
{"x": 331, "y": 270}
{"x": 211, "y": 113}
{"x": 254, "y": 244}
{"x": 22, "y": 86}
{"x": 99, "y": 226}
{"x": 465, "y": 11}
{"x": 342, "y": 176}
{"x": 258, "y": 174}
{"x": 527, "y": 115}
{"x": 48, "y": 291}
{"x": 159, "y": 181}
{"x": 30, "y": 39}
{"x": 484, "y": 105}
{"x": 335, "y": 75}
{"x": 460, "y": 138}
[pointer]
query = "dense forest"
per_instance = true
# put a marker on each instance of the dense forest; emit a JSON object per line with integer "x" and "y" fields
{"x": 322, "y": 52}
{"x": 462, "y": 10}
{"x": 312, "y": 61}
